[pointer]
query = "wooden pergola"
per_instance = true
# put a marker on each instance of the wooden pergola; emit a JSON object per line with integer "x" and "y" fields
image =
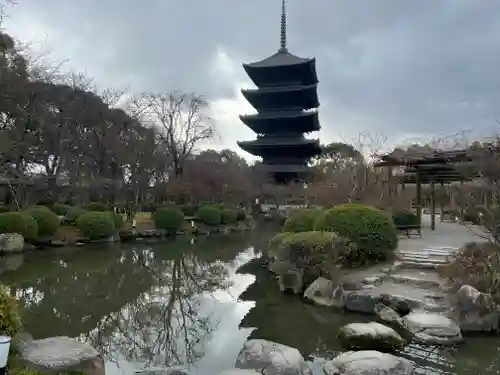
{"x": 431, "y": 168}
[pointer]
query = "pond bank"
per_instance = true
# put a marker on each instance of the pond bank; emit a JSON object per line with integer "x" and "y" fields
{"x": 135, "y": 303}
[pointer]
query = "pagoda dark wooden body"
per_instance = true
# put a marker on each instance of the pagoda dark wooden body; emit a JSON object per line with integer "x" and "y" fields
{"x": 285, "y": 99}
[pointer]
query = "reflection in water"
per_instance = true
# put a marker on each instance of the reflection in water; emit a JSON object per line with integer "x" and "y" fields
{"x": 140, "y": 306}
{"x": 163, "y": 304}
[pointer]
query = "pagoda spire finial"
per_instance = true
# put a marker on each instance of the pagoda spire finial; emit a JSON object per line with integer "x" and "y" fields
{"x": 283, "y": 46}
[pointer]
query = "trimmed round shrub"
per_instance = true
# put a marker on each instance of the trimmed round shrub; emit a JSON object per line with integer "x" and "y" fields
{"x": 18, "y": 222}
{"x": 209, "y": 215}
{"x": 61, "y": 209}
{"x": 31, "y": 233}
{"x": 189, "y": 209}
{"x": 96, "y": 207}
{"x": 316, "y": 253}
{"x": 96, "y": 225}
{"x": 302, "y": 220}
{"x": 370, "y": 229}
{"x": 170, "y": 219}
{"x": 10, "y": 318}
{"x": 404, "y": 218}
{"x": 228, "y": 216}
{"x": 48, "y": 222}
{"x": 117, "y": 220}
{"x": 75, "y": 212}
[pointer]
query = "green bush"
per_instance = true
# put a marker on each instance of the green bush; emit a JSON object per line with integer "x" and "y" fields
{"x": 48, "y": 222}
{"x": 404, "y": 218}
{"x": 189, "y": 209}
{"x": 316, "y": 253}
{"x": 170, "y": 219}
{"x": 209, "y": 215}
{"x": 10, "y": 318}
{"x": 369, "y": 228}
{"x": 117, "y": 220}
{"x": 61, "y": 209}
{"x": 75, "y": 212}
{"x": 96, "y": 207}
{"x": 302, "y": 220}
{"x": 3, "y": 209}
{"x": 228, "y": 216}
{"x": 31, "y": 233}
{"x": 17, "y": 222}
{"x": 96, "y": 225}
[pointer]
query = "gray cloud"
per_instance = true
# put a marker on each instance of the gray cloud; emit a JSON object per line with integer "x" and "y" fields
{"x": 392, "y": 66}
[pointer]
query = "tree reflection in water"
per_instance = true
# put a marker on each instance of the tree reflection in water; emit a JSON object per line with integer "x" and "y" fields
{"x": 150, "y": 304}
{"x": 167, "y": 325}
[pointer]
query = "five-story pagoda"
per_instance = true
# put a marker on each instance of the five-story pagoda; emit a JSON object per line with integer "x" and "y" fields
{"x": 286, "y": 99}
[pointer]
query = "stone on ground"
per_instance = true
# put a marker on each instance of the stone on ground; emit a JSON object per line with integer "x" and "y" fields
{"x": 475, "y": 311}
{"x": 270, "y": 358}
{"x": 11, "y": 243}
{"x": 174, "y": 370}
{"x": 388, "y": 316}
{"x": 61, "y": 355}
{"x": 323, "y": 292}
{"x": 432, "y": 328}
{"x": 370, "y": 336}
{"x": 368, "y": 362}
{"x": 238, "y": 371}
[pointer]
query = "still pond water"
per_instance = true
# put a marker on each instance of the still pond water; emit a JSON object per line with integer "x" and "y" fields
{"x": 167, "y": 303}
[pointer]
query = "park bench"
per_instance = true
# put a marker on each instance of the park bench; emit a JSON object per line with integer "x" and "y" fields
{"x": 410, "y": 229}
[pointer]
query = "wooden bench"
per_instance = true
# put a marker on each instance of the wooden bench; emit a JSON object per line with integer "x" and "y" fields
{"x": 410, "y": 229}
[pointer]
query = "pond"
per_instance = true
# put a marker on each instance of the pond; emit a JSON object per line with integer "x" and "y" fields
{"x": 195, "y": 304}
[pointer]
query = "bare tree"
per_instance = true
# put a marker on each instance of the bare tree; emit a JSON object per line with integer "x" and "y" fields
{"x": 183, "y": 121}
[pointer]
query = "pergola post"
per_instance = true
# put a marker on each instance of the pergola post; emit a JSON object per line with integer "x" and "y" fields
{"x": 433, "y": 205}
{"x": 441, "y": 202}
{"x": 419, "y": 196}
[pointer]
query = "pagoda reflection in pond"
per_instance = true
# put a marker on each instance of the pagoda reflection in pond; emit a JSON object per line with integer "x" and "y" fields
{"x": 285, "y": 100}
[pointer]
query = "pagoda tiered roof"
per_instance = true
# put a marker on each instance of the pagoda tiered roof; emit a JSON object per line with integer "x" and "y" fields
{"x": 285, "y": 99}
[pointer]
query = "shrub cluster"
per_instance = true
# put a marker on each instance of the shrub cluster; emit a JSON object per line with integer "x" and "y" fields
{"x": 61, "y": 209}
{"x": 10, "y": 318}
{"x": 477, "y": 264}
{"x": 404, "y": 218}
{"x": 373, "y": 231}
{"x": 229, "y": 216}
{"x": 74, "y": 213}
{"x": 303, "y": 220}
{"x": 209, "y": 215}
{"x": 96, "y": 225}
{"x": 21, "y": 223}
{"x": 47, "y": 221}
{"x": 316, "y": 253}
{"x": 170, "y": 219}
{"x": 97, "y": 206}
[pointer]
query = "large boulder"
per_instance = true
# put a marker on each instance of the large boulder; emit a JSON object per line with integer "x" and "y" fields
{"x": 270, "y": 358}
{"x": 323, "y": 292}
{"x": 60, "y": 355}
{"x": 432, "y": 328}
{"x": 370, "y": 336}
{"x": 368, "y": 362}
{"x": 475, "y": 311}
{"x": 11, "y": 243}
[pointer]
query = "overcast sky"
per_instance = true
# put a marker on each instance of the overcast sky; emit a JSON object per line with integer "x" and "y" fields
{"x": 403, "y": 68}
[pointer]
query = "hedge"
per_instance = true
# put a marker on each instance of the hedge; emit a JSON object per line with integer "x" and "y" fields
{"x": 370, "y": 229}
{"x": 209, "y": 215}
{"x": 302, "y": 220}
{"x": 96, "y": 225}
{"x": 47, "y": 221}
{"x": 18, "y": 222}
{"x": 170, "y": 219}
